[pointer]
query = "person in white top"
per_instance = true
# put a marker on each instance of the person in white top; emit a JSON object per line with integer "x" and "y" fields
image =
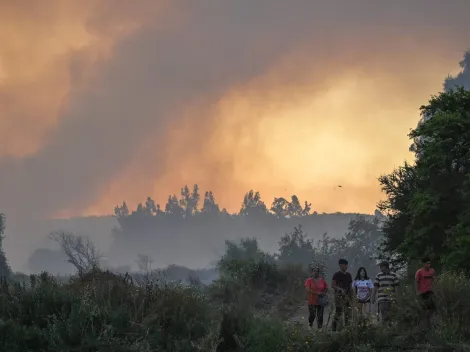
{"x": 363, "y": 287}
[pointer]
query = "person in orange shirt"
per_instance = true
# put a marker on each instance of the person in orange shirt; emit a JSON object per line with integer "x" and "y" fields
{"x": 424, "y": 288}
{"x": 315, "y": 286}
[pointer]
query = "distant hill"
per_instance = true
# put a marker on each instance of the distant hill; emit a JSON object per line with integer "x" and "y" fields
{"x": 198, "y": 240}
{"x": 194, "y": 243}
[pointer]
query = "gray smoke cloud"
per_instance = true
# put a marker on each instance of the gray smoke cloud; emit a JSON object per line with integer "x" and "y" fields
{"x": 160, "y": 68}
{"x": 462, "y": 79}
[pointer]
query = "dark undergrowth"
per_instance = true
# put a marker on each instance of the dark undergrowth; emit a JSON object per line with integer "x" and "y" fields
{"x": 244, "y": 310}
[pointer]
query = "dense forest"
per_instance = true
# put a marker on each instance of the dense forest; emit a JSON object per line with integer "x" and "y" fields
{"x": 196, "y": 240}
{"x": 189, "y": 228}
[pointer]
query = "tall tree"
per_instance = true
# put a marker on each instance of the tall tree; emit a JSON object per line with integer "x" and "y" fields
{"x": 210, "y": 206}
{"x": 4, "y": 266}
{"x": 295, "y": 247}
{"x": 189, "y": 200}
{"x": 399, "y": 188}
{"x": 363, "y": 237}
{"x": 252, "y": 204}
{"x": 173, "y": 207}
{"x": 80, "y": 251}
{"x": 150, "y": 207}
{"x": 121, "y": 211}
{"x": 294, "y": 208}
{"x": 280, "y": 207}
{"x": 427, "y": 202}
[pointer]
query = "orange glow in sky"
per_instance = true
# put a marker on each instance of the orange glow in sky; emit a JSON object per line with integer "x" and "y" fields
{"x": 323, "y": 110}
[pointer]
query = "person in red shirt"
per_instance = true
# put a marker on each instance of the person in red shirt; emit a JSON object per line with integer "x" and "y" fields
{"x": 424, "y": 288}
{"x": 315, "y": 286}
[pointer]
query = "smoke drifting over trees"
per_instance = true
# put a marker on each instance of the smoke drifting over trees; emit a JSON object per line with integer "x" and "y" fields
{"x": 194, "y": 228}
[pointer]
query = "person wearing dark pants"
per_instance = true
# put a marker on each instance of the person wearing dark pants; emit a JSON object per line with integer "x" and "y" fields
{"x": 315, "y": 311}
{"x": 342, "y": 284}
{"x": 424, "y": 289}
{"x": 343, "y": 309}
{"x": 316, "y": 287}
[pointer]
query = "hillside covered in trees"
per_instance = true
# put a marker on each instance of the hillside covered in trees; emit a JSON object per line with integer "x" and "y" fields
{"x": 187, "y": 230}
{"x": 191, "y": 228}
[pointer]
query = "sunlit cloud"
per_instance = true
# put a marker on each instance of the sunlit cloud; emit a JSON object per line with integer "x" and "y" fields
{"x": 102, "y": 101}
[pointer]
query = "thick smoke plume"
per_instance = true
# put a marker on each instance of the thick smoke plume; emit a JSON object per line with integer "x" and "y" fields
{"x": 102, "y": 101}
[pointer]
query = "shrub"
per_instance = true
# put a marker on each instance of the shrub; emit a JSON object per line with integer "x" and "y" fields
{"x": 102, "y": 310}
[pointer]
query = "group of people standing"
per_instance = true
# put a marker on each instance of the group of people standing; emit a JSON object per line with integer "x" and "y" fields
{"x": 362, "y": 292}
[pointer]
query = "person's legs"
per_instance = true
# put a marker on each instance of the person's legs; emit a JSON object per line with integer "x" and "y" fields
{"x": 311, "y": 314}
{"x": 432, "y": 308}
{"x": 384, "y": 308}
{"x": 320, "y": 310}
{"x": 347, "y": 313}
{"x": 337, "y": 317}
{"x": 428, "y": 307}
{"x": 367, "y": 310}
{"x": 423, "y": 312}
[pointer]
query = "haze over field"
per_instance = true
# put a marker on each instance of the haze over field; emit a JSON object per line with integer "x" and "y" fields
{"x": 102, "y": 101}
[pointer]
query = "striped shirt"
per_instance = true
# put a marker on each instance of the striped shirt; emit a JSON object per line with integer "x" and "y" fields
{"x": 386, "y": 284}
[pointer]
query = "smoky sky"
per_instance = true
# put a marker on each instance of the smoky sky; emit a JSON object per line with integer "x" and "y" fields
{"x": 138, "y": 99}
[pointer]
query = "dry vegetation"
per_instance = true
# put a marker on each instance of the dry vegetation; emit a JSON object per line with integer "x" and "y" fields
{"x": 244, "y": 310}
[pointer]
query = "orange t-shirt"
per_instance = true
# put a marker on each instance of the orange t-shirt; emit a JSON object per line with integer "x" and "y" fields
{"x": 425, "y": 278}
{"x": 317, "y": 286}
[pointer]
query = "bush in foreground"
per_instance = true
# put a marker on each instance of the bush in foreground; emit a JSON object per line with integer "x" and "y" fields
{"x": 106, "y": 312}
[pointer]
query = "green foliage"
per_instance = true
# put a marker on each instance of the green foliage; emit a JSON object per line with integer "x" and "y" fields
{"x": 358, "y": 245}
{"x": 265, "y": 334}
{"x": 295, "y": 248}
{"x": 428, "y": 203}
{"x": 101, "y": 310}
{"x": 245, "y": 309}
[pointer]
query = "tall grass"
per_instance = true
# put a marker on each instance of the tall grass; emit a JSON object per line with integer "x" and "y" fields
{"x": 245, "y": 308}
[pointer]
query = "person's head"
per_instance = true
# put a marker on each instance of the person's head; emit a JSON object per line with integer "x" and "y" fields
{"x": 384, "y": 267}
{"x": 343, "y": 265}
{"x": 426, "y": 263}
{"x": 362, "y": 274}
{"x": 316, "y": 271}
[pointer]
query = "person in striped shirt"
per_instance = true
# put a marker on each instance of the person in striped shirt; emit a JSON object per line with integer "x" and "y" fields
{"x": 385, "y": 285}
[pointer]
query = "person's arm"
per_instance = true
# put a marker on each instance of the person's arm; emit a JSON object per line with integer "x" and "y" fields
{"x": 374, "y": 290}
{"x": 350, "y": 291}
{"x": 371, "y": 287}
{"x": 417, "y": 281}
{"x": 307, "y": 286}
{"x": 326, "y": 287}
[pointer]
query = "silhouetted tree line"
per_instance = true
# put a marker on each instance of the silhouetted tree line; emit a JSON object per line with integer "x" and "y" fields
{"x": 189, "y": 215}
{"x": 187, "y": 205}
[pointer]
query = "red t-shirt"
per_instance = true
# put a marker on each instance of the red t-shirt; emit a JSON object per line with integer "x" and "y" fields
{"x": 317, "y": 286}
{"x": 424, "y": 279}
